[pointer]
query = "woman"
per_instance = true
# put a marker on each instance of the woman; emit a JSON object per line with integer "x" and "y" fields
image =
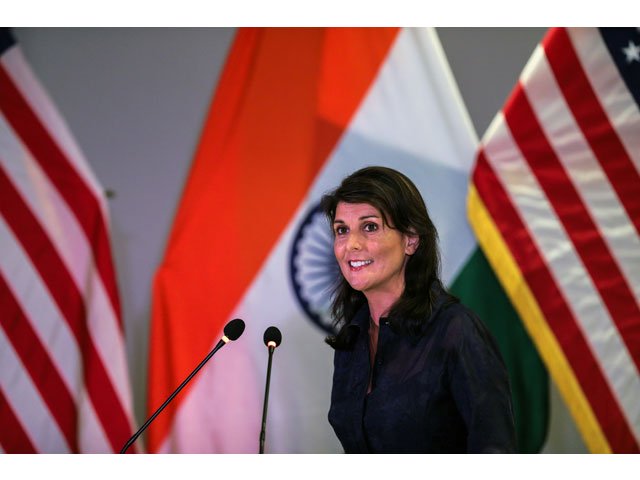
{"x": 414, "y": 369}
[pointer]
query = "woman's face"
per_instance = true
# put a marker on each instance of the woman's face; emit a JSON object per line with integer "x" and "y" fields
{"x": 372, "y": 256}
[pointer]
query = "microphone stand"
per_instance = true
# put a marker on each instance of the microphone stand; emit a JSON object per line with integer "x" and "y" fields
{"x": 266, "y": 400}
{"x": 220, "y": 344}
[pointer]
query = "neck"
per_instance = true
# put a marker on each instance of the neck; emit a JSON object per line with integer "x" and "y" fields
{"x": 380, "y": 304}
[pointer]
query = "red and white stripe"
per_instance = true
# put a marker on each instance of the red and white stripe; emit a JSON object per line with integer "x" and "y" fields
{"x": 65, "y": 381}
{"x": 558, "y": 171}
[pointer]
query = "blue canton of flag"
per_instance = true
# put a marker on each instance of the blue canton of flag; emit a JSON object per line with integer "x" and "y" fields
{"x": 624, "y": 46}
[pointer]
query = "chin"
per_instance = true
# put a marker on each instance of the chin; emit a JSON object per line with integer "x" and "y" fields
{"x": 356, "y": 286}
{"x": 359, "y": 287}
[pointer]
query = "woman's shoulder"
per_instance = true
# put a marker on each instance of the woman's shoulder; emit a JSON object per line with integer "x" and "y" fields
{"x": 458, "y": 325}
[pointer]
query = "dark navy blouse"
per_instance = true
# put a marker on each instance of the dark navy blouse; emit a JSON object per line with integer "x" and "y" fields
{"x": 445, "y": 391}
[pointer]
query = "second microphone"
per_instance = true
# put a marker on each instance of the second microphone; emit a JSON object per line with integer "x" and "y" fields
{"x": 272, "y": 338}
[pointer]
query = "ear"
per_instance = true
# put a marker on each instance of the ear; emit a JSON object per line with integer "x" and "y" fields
{"x": 411, "y": 245}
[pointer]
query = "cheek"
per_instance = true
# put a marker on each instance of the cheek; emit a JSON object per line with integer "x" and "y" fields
{"x": 338, "y": 252}
{"x": 338, "y": 245}
{"x": 337, "y": 249}
{"x": 392, "y": 254}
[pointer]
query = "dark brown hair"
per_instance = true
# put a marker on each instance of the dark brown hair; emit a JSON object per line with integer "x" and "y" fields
{"x": 402, "y": 208}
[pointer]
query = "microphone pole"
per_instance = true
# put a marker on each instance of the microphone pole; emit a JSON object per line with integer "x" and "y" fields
{"x": 232, "y": 331}
{"x": 272, "y": 338}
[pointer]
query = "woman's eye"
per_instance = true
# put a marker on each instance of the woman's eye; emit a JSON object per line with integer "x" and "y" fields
{"x": 370, "y": 227}
{"x": 340, "y": 230}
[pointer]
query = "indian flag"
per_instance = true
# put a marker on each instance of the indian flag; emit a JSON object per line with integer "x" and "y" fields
{"x": 295, "y": 111}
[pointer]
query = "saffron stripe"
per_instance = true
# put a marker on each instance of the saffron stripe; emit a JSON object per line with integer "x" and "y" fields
{"x": 581, "y": 229}
{"x": 13, "y": 437}
{"x": 593, "y": 121}
{"x": 66, "y": 295}
{"x": 66, "y": 179}
{"x": 37, "y": 362}
{"x": 557, "y": 313}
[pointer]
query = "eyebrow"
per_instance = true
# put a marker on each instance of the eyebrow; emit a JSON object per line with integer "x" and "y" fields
{"x": 364, "y": 217}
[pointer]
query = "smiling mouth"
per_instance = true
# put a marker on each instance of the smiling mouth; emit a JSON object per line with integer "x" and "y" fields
{"x": 360, "y": 263}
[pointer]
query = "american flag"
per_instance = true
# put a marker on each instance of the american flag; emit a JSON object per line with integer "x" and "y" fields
{"x": 555, "y": 203}
{"x": 64, "y": 383}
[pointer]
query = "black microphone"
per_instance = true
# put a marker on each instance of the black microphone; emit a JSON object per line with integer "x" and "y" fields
{"x": 232, "y": 331}
{"x": 272, "y": 338}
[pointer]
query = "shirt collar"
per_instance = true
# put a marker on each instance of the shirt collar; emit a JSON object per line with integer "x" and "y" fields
{"x": 360, "y": 320}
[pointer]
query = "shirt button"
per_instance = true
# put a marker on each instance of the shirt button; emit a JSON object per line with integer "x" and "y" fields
{"x": 379, "y": 361}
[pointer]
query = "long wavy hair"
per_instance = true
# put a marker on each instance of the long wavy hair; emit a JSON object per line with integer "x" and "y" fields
{"x": 402, "y": 208}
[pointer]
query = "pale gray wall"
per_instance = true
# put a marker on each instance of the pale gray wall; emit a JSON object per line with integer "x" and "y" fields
{"x": 135, "y": 99}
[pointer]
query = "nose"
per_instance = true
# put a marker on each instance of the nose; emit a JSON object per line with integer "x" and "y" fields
{"x": 354, "y": 242}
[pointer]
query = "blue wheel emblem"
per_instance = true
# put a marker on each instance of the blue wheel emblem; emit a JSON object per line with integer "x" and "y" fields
{"x": 313, "y": 268}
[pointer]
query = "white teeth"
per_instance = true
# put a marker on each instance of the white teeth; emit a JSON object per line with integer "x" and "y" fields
{"x": 360, "y": 263}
